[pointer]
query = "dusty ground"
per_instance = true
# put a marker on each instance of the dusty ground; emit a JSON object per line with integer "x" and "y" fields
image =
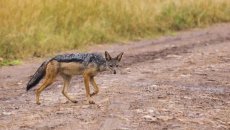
{"x": 174, "y": 82}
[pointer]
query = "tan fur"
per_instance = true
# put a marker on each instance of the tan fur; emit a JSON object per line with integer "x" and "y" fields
{"x": 66, "y": 71}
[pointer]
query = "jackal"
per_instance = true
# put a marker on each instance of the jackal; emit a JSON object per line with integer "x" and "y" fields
{"x": 68, "y": 65}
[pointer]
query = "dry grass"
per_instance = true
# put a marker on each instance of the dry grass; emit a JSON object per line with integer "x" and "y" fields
{"x": 39, "y": 27}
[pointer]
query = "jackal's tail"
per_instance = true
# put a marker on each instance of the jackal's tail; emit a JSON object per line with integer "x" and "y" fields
{"x": 39, "y": 74}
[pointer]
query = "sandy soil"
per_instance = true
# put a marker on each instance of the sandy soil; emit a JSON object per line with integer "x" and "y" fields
{"x": 175, "y": 82}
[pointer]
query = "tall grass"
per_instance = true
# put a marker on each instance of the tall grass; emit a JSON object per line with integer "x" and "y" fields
{"x": 39, "y": 27}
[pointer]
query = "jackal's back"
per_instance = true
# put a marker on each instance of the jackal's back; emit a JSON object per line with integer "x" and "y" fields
{"x": 84, "y": 58}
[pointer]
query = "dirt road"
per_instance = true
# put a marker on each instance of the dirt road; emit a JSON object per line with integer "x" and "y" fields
{"x": 174, "y": 82}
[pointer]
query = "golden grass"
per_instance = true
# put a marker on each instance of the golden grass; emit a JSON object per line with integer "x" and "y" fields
{"x": 38, "y": 27}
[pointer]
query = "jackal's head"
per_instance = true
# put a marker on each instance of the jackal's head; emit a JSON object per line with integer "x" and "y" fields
{"x": 113, "y": 63}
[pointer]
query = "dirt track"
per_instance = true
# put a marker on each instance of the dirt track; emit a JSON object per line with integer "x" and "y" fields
{"x": 174, "y": 82}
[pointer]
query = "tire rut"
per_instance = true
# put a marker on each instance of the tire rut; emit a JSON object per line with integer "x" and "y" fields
{"x": 174, "y": 50}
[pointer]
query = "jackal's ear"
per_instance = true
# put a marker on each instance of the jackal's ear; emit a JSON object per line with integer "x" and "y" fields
{"x": 119, "y": 56}
{"x": 107, "y": 56}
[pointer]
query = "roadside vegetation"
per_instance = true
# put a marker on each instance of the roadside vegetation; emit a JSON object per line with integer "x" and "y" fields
{"x": 35, "y": 28}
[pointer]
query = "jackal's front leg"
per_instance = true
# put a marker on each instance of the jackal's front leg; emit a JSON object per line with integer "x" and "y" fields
{"x": 96, "y": 89}
{"x": 66, "y": 86}
{"x": 86, "y": 81}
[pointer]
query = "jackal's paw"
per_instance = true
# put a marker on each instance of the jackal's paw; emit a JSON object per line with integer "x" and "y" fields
{"x": 92, "y": 94}
{"x": 91, "y": 102}
{"x": 74, "y": 101}
{"x": 38, "y": 103}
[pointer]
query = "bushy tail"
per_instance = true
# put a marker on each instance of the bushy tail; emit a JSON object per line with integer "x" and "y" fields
{"x": 39, "y": 74}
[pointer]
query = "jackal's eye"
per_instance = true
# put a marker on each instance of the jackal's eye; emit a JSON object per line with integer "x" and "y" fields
{"x": 111, "y": 66}
{"x": 116, "y": 65}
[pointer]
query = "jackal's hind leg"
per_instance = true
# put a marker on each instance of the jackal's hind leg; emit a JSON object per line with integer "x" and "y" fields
{"x": 66, "y": 86}
{"x": 51, "y": 72}
{"x": 96, "y": 89}
{"x": 40, "y": 89}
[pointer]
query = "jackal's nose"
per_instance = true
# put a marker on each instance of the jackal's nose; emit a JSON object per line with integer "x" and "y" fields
{"x": 114, "y": 72}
